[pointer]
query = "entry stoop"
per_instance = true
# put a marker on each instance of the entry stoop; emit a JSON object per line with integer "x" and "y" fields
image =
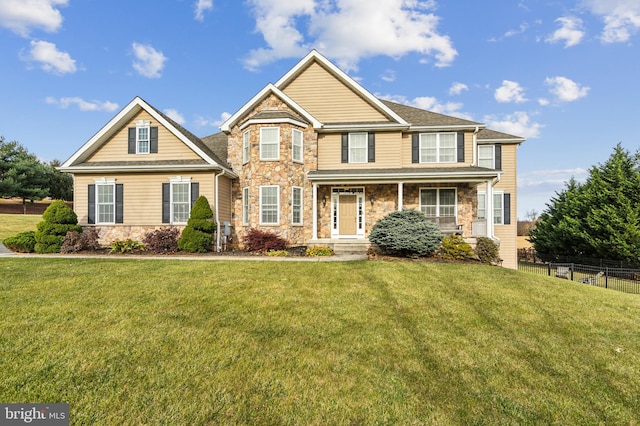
{"x": 350, "y": 246}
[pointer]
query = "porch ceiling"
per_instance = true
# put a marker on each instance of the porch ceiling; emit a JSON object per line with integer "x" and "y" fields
{"x": 440, "y": 174}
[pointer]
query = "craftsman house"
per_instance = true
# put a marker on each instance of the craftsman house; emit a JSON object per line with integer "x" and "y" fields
{"x": 314, "y": 157}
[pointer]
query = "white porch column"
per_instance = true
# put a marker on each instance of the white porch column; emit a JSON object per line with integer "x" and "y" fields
{"x": 314, "y": 233}
{"x": 489, "y": 206}
{"x": 400, "y": 196}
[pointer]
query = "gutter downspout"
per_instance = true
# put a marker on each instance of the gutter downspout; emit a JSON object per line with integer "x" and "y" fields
{"x": 489, "y": 201}
{"x": 217, "y": 218}
{"x": 475, "y": 145}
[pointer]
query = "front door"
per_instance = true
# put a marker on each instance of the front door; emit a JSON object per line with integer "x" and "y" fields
{"x": 348, "y": 215}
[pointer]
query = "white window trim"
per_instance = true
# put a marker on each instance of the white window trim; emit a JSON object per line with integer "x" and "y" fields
{"x": 366, "y": 148}
{"x": 293, "y": 145}
{"x": 245, "y": 206}
{"x": 293, "y": 206}
{"x": 143, "y": 124}
{"x": 246, "y": 146}
{"x": 455, "y": 191}
{"x": 277, "y": 156}
{"x": 495, "y": 194}
{"x": 173, "y": 181}
{"x": 438, "y": 161}
{"x": 99, "y": 183}
{"x": 277, "y": 221}
{"x": 493, "y": 155}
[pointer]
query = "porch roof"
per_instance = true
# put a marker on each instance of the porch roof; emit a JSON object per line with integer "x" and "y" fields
{"x": 409, "y": 174}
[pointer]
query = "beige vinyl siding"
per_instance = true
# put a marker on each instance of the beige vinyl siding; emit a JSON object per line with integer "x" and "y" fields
{"x": 224, "y": 199}
{"x": 468, "y": 153}
{"x": 388, "y": 152}
{"x": 508, "y": 184}
{"x": 169, "y": 146}
{"x": 142, "y": 202}
{"x": 328, "y": 99}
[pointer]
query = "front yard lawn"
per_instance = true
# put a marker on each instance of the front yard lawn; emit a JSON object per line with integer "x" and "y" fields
{"x": 220, "y": 342}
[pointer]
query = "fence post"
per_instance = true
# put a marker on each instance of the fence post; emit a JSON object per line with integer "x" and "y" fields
{"x": 549, "y": 269}
{"x": 606, "y": 277}
{"x": 572, "y": 265}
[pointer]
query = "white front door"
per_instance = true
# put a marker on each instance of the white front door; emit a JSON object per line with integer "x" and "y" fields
{"x": 347, "y": 208}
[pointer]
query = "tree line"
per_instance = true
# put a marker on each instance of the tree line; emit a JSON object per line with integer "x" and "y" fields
{"x": 599, "y": 218}
{"x": 24, "y": 176}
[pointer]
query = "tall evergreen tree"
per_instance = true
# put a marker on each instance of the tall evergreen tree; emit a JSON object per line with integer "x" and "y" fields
{"x": 22, "y": 175}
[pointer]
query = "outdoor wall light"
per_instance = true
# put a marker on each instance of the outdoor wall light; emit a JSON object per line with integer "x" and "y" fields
{"x": 371, "y": 200}
{"x": 324, "y": 201}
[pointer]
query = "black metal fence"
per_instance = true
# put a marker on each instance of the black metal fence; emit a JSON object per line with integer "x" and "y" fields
{"x": 622, "y": 279}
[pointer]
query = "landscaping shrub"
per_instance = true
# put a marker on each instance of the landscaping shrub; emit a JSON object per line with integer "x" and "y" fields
{"x": 487, "y": 250}
{"x": 197, "y": 236}
{"x": 57, "y": 220}
{"x": 24, "y": 242}
{"x": 162, "y": 240}
{"x": 406, "y": 233}
{"x": 320, "y": 251}
{"x": 257, "y": 240}
{"x": 78, "y": 241}
{"x": 456, "y": 248}
{"x": 126, "y": 246}
{"x": 278, "y": 253}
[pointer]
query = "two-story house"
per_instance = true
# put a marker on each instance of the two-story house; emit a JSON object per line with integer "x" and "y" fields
{"x": 315, "y": 158}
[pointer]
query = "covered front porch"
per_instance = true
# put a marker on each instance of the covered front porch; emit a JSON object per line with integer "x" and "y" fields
{"x": 346, "y": 205}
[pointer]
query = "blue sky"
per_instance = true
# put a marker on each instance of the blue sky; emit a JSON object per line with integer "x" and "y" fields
{"x": 563, "y": 74}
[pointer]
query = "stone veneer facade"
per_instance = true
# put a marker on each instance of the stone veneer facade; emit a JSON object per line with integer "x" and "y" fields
{"x": 107, "y": 234}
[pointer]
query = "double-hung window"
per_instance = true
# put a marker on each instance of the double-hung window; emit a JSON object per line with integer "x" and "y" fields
{"x": 245, "y": 206}
{"x": 270, "y": 143}
{"x": 498, "y": 207}
{"x": 245, "y": 146}
{"x": 180, "y": 201}
{"x": 269, "y": 205}
{"x": 438, "y": 147}
{"x": 486, "y": 156}
{"x": 106, "y": 203}
{"x": 296, "y": 145}
{"x": 357, "y": 147}
{"x": 143, "y": 143}
{"x": 296, "y": 205}
{"x": 438, "y": 202}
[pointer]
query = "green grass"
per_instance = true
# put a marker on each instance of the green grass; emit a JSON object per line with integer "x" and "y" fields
{"x": 217, "y": 342}
{"x": 13, "y": 224}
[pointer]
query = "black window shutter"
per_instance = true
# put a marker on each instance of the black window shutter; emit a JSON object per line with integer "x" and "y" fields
{"x": 195, "y": 192}
{"x": 498, "y": 155}
{"x": 119, "y": 203}
{"x": 166, "y": 203}
{"x": 92, "y": 204}
{"x": 415, "y": 148}
{"x": 460, "y": 147}
{"x": 371, "y": 148}
{"x": 132, "y": 140}
{"x": 345, "y": 147}
{"x": 153, "y": 140}
{"x": 506, "y": 200}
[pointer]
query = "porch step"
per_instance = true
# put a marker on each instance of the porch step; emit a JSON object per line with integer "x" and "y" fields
{"x": 350, "y": 247}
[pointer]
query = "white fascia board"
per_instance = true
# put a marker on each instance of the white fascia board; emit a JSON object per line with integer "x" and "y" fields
{"x": 315, "y": 55}
{"x": 492, "y": 141}
{"x": 274, "y": 121}
{"x": 269, "y": 88}
{"x": 103, "y": 131}
{"x": 138, "y": 168}
{"x": 445, "y": 128}
{"x": 363, "y": 127}
{"x": 386, "y": 177}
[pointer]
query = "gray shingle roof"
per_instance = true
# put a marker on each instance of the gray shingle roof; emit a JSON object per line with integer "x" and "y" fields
{"x": 218, "y": 144}
{"x": 488, "y": 134}
{"x": 268, "y": 115}
{"x": 421, "y": 117}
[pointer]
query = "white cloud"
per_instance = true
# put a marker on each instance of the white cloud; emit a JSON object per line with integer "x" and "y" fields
{"x": 389, "y": 76}
{"x": 430, "y": 103}
{"x": 517, "y": 124}
{"x": 543, "y": 102}
{"x": 50, "y": 58}
{"x": 570, "y": 31}
{"x": 21, "y": 16}
{"x": 148, "y": 61}
{"x": 82, "y": 104}
{"x": 566, "y": 90}
{"x": 201, "y": 7}
{"x": 621, "y": 18}
{"x": 510, "y": 91}
{"x": 457, "y": 88}
{"x": 175, "y": 115}
{"x": 205, "y": 122}
{"x": 342, "y": 30}
{"x": 521, "y": 29}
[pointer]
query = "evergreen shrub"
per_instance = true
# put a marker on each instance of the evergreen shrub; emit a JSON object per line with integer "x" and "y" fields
{"x": 24, "y": 242}
{"x": 406, "y": 233}
{"x": 57, "y": 220}
{"x": 454, "y": 247}
{"x": 487, "y": 250}
{"x": 197, "y": 236}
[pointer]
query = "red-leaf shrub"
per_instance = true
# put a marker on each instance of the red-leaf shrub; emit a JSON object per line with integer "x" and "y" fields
{"x": 78, "y": 241}
{"x": 257, "y": 240}
{"x": 162, "y": 240}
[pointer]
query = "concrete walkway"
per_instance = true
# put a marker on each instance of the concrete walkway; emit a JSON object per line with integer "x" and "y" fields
{"x": 5, "y": 252}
